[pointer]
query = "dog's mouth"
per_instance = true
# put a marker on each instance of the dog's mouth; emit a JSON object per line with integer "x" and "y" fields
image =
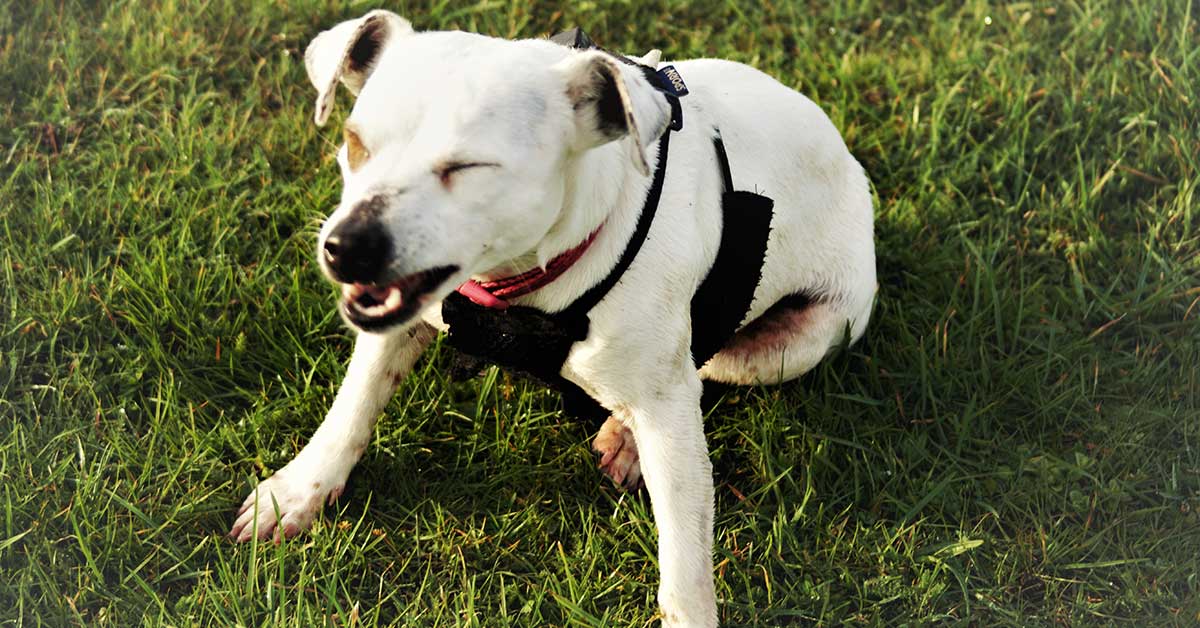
{"x": 377, "y": 306}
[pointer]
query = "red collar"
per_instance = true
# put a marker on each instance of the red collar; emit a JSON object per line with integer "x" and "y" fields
{"x": 493, "y": 293}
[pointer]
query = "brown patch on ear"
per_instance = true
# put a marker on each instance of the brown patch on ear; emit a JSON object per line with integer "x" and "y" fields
{"x": 356, "y": 153}
{"x": 597, "y": 89}
{"x": 601, "y": 93}
{"x": 366, "y": 49}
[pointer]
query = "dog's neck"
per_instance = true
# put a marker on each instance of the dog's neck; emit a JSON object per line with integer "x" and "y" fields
{"x": 495, "y": 293}
{"x": 602, "y": 201}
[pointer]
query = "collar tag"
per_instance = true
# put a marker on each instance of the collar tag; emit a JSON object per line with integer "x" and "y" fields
{"x": 672, "y": 82}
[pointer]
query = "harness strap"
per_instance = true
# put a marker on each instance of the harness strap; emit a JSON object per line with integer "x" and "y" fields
{"x": 596, "y": 293}
{"x": 723, "y": 162}
{"x": 724, "y": 297}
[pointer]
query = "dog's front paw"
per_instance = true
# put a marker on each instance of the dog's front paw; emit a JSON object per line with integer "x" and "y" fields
{"x": 618, "y": 454}
{"x": 283, "y": 505}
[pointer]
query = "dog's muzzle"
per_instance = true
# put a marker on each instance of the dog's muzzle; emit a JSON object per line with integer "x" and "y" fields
{"x": 358, "y": 254}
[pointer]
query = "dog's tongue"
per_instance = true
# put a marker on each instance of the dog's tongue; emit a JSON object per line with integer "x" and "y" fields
{"x": 480, "y": 296}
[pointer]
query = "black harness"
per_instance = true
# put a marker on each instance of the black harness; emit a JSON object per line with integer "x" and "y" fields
{"x": 534, "y": 343}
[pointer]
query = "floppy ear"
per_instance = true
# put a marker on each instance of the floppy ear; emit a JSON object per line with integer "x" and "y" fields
{"x": 348, "y": 52}
{"x": 612, "y": 101}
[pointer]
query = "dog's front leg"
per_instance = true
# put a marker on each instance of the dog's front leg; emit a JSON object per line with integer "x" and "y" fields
{"x": 318, "y": 473}
{"x": 668, "y": 428}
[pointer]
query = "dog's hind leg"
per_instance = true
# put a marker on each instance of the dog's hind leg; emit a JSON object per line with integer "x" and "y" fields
{"x": 618, "y": 449}
{"x": 784, "y": 343}
{"x": 285, "y": 504}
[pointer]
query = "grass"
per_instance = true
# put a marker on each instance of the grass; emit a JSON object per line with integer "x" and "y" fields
{"x": 1015, "y": 442}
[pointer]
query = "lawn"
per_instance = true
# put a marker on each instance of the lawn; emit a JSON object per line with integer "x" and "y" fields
{"x": 1016, "y": 441}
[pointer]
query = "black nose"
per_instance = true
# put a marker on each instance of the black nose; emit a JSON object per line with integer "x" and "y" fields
{"x": 357, "y": 250}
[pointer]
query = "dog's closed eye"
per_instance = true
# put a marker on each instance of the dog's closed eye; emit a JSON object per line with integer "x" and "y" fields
{"x": 445, "y": 170}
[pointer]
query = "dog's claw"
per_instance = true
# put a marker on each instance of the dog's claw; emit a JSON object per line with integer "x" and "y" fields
{"x": 335, "y": 494}
{"x": 618, "y": 475}
{"x": 618, "y": 454}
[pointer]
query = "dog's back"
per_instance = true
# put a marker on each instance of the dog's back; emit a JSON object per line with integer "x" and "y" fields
{"x": 818, "y": 273}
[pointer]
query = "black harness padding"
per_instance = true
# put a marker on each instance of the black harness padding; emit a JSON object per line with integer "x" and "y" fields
{"x": 536, "y": 344}
{"x": 724, "y": 297}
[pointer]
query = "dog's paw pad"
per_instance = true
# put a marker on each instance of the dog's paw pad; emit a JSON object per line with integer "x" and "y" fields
{"x": 618, "y": 454}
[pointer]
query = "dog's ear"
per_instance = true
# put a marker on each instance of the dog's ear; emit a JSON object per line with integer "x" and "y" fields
{"x": 651, "y": 58}
{"x": 348, "y": 52}
{"x": 613, "y": 100}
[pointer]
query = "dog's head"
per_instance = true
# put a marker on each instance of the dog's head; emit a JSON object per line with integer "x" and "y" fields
{"x": 456, "y": 154}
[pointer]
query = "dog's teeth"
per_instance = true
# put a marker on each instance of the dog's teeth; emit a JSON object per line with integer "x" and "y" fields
{"x": 393, "y": 299}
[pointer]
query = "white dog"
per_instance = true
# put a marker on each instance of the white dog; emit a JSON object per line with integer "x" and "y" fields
{"x": 601, "y": 223}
